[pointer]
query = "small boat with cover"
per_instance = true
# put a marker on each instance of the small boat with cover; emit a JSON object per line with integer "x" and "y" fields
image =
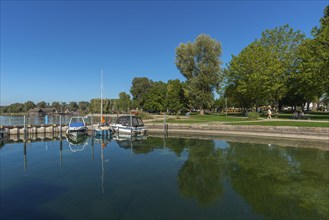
{"x": 129, "y": 124}
{"x": 77, "y": 126}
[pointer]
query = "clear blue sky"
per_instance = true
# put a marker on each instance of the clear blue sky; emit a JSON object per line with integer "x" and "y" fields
{"x": 54, "y": 50}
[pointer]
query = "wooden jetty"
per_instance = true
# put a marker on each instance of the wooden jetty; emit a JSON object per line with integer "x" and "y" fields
{"x": 33, "y": 132}
{"x": 34, "y": 129}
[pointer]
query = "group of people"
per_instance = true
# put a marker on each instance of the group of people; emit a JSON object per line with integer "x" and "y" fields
{"x": 298, "y": 114}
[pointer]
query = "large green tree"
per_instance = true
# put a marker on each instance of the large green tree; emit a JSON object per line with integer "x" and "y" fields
{"x": 57, "y": 105}
{"x": 199, "y": 63}
{"x": 41, "y": 104}
{"x": 124, "y": 102}
{"x": 73, "y": 106}
{"x": 28, "y": 105}
{"x": 313, "y": 69}
{"x": 254, "y": 75}
{"x": 95, "y": 106}
{"x": 139, "y": 90}
{"x": 321, "y": 37}
{"x": 84, "y": 106}
{"x": 283, "y": 42}
{"x": 175, "y": 98}
{"x": 156, "y": 97}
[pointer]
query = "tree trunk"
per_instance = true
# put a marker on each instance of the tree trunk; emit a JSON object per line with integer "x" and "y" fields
{"x": 201, "y": 111}
{"x": 303, "y": 106}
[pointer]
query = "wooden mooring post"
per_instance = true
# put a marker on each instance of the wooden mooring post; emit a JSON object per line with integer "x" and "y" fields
{"x": 165, "y": 125}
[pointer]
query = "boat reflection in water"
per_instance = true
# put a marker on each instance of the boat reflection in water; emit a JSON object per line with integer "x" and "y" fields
{"x": 77, "y": 142}
{"x": 130, "y": 141}
{"x": 129, "y": 137}
{"x": 102, "y": 140}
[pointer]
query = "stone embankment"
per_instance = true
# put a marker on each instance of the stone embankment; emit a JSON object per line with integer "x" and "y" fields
{"x": 316, "y": 133}
{"x": 320, "y": 133}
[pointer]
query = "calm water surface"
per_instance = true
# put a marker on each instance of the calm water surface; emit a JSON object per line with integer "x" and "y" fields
{"x": 156, "y": 178}
{"x": 19, "y": 119}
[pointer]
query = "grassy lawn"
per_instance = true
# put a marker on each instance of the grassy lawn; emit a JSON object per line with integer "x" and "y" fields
{"x": 311, "y": 116}
{"x": 283, "y": 123}
{"x": 201, "y": 119}
{"x": 238, "y": 119}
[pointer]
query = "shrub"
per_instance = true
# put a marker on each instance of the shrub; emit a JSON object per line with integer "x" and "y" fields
{"x": 252, "y": 115}
{"x": 144, "y": 115}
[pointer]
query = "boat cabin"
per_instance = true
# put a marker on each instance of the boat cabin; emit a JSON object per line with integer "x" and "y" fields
{"x": 125, "y": 121}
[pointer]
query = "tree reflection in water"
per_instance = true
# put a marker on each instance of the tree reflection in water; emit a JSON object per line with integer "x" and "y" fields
{"x": 281, "y": 183}
{"x": 277, "y": 182}
{"x": 200, "y": 176}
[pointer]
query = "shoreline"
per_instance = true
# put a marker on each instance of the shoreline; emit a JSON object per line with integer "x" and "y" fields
{"x": 289, "y": 132}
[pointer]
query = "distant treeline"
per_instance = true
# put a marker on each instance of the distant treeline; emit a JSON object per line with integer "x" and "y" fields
{"x": 149, "y": 96}
{"x": 83, "y": 107}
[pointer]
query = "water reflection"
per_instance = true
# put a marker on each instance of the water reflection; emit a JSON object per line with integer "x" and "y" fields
{"x": 280, "y": 182}
{"x": 19, "y": 119}
{"x": 273, "y": 182}
{"x": 200, "y": 177}
{"x": 77, "y": 142}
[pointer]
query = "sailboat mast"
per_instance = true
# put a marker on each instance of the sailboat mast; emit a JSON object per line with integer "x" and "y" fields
{"x": 101, "y": 94}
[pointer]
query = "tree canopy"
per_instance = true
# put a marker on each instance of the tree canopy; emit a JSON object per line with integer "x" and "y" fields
{"x": 199, "y": 63}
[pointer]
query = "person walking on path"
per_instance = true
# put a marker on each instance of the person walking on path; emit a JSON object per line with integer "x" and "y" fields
{"x": 269, "y": 114}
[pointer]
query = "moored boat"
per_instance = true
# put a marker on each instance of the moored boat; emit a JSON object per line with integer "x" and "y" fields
{"x": 102, "y": 129}
{"x": 77, "y": 126}
{"x": 129, "y": 124}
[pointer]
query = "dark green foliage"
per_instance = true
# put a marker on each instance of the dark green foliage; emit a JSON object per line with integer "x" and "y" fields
{"x": 73, "y": 106}
{"x": 28, "y": 105}
{"x": 124, "y": 102}
{"x": 156, "y": 97}
{"x": 253, "y": 77}
{"x": 139, "y": 90}
{"x": 42, "y": 104}
{"x": 95, "y": 106}
{"x": 84, "y": 106}
{"x": 253, "y": 115}
{"x": 175, "y": 98}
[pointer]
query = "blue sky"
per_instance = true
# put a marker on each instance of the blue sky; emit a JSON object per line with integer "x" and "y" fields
{"x": 55, "y": 50}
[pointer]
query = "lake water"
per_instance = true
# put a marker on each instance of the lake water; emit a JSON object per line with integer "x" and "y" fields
{"x": 162, "y": 178}
{"x": 33, "y": 120}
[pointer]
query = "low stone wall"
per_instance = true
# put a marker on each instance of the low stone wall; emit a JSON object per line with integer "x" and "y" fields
{"x": 35, "y": 129}
{"x": 250, "y": 130}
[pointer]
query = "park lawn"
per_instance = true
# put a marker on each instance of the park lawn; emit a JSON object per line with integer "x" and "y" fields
{"x": 201, "y": 119}
{"x": 309, "y": 115}
{"x": 283, "y": 123}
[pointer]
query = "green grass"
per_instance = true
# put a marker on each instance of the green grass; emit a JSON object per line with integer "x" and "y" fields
{"x": 237, "y": 119}
{"x": 310, "y": 115}
{"x": 201, "y": 119}
{"x": 283, "y": 123}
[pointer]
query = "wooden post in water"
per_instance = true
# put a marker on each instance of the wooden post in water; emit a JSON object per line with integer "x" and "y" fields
{"x": 165, "y": 127}
{"x": 131, "y": 124}
{"x": 92, "y": 147}
{"x": 60, "y": 151}
{"x": 60, "y": 125}
{"x": 91, "y": 122}
{"x": 25, "y": 131}
{"x": 25, "y": 159}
